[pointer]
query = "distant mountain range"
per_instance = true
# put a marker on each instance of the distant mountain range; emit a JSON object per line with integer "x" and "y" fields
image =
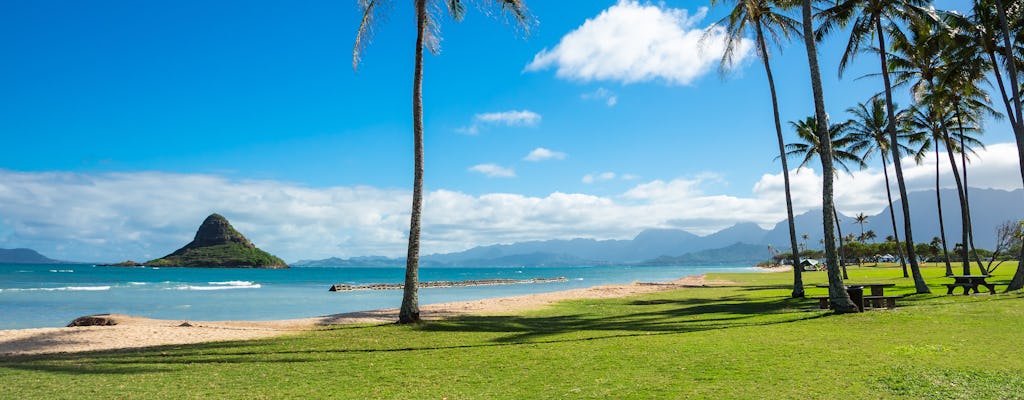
{"x": 739, "y": 244}
{"x": 24, "y": 256}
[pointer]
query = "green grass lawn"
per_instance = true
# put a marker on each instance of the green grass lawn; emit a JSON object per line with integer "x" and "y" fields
{"x": 743, "y": 340}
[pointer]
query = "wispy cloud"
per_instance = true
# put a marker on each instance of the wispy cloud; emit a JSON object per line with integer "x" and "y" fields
{"x": 542, "y": 154}
{"x": 598, "y": 177}
{"x": 506, "y": 118}
{"x": 606, "y": 95}
{"x": 493, "y": 171}
{"x": 637, "y": 42}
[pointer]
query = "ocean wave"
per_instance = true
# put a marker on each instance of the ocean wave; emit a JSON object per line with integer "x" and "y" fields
{"x": 233, "y": 283}
{"x": 62, "y": 270}
{"x": 219, "y": 287}
{"x": 65, "y": 288}
{"x": 138, "y": 283}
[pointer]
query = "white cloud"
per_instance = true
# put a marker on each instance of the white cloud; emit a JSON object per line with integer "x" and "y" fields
{"x": 608, "y": 96}
{"x": 507, "y": 118}
{"x": 542, "y": 154}
{"x": 638, "y": 42}
{"x": 598, "y": 177}
{"x": 118, "y": 216}
{"x": 493, "y": 171}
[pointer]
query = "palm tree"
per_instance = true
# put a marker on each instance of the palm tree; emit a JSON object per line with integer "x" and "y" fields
{"x": 925, "y": 120}
{"x": 759, "y": 17}
{"x": 989, "y": 31}
{"x": 873, "y": 19}
{"x": 861, "y": 219}
{"x": 838, "y": 297}
{"x": 425, "y": 38}
{"x": 810, "y": 148}
{"x": 867, "y": 130}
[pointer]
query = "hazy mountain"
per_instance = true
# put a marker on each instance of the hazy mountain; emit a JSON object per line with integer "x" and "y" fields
{"x": 989, "y": 208}
{"x": 739, "y": 253}
{"x": 24, "y": 256}
{"x": 741, "y": 243}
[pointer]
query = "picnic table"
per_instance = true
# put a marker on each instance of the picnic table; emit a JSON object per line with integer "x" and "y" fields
{"x": 969, "y": 283}
{"x": 876, "y": 298}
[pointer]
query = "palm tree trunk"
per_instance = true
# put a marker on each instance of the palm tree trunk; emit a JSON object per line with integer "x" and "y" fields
{"x": 838, "y": 297}
{"x": 1017, "y": 282}
{"x": 963, "y": 207}
{"x": 938, "y": 202}
{"x": 915, "y": 270}
{"x": 842, "y": 252}
{"x": 967, "y": 198}
{"x": 892, "y": 215}
{"x": 410, "y": 310}
{"x": 798, "y": 281}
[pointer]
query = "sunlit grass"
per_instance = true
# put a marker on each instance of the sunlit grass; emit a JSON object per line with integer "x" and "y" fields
{"x": 743, "y": 340}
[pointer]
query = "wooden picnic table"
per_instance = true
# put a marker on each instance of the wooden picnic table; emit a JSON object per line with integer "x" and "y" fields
{"x": 969, "y": 283}
{"x": 877, "y": 297}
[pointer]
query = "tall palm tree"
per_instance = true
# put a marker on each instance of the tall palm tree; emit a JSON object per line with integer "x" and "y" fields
{"x": 925, "y": 120}
{"x": 991, "y": 31}
{"x": 809, "y": 147}
{"x": 838, "y": 297}
{"x": 426, "y": 38}
{"x": 872, "y": 19}
{"x": 759, "y": 17}
{"x": 867, "y": 130}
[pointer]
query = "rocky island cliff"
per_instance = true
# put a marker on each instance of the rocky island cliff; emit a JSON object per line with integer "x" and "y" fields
{"x": 218, "y": 245}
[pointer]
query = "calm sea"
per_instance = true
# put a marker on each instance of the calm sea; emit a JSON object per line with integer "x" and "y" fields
{"x": 36, "y": 296}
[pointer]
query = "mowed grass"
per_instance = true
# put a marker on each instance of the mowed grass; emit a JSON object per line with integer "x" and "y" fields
{"x": 747, "y": 339}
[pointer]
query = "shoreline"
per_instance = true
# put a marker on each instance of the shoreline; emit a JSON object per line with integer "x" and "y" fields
{"x": 133, "y": 332}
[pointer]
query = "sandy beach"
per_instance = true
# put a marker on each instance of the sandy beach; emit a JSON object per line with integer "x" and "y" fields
{"x": 137, "y": 332}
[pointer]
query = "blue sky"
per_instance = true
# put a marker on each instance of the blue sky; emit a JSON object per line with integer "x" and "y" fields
{"x": 126, "y": 123}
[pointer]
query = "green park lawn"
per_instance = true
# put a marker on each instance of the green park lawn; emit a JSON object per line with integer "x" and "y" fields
{"x": 746, "y": 339}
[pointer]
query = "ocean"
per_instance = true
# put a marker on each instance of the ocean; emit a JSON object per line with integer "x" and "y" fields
{"x": 38, "y": 296}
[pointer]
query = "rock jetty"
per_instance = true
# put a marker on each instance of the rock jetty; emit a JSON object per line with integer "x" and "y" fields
{"x": 341, "y": 287}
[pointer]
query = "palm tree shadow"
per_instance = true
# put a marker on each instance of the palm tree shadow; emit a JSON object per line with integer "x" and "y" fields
{"x": 638, "y": 318}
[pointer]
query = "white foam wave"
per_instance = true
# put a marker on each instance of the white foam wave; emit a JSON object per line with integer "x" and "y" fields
{"x": 221, "y": 287}
{"x": 233, "y": 283}
{"x": 138, "y": 283}
{"x": 62, "y": 270}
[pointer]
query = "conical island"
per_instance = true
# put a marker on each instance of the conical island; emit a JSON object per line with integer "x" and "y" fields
{"x": 218, "y": 245}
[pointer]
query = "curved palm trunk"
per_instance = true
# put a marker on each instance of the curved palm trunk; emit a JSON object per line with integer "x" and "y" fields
{"x": 1017, "y": 282}
{"x": 838, "y": 297}
{"x": 892, "y": 215}
{"x": 410, "y": 310}
{"x": 963, "y": 206}
{"x": 842, "y": 253}
{"x": 966, "y": 206}
{"x": 915, "y": 270}
{"x": 938, "y": 202}
{"x": 798, "y": 281}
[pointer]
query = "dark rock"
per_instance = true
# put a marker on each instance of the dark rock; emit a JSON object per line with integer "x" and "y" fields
{"x": 185, "y": 324}
{"x": 93, "y": 320}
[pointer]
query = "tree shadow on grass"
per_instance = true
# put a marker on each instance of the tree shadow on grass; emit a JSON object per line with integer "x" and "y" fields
{"x": 617, "y": 319}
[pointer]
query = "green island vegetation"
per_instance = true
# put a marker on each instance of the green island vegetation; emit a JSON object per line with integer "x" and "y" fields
{"x": 223, "y": 255}
{"x": 743, "y": 339}
{"x": 218, "y": 245}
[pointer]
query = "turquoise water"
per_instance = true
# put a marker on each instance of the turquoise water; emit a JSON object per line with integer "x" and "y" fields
{"x": 36, "y": 296}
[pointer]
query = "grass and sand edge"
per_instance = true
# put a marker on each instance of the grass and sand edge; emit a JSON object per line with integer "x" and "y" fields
{"x": 744, "y": 339}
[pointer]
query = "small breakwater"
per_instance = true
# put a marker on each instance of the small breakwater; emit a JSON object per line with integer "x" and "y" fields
{"x": 341, "y": 287}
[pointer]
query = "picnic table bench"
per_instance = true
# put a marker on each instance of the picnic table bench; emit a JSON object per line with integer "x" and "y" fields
{"x": 877, "y": 298}
{"x": 969, "y": 283}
